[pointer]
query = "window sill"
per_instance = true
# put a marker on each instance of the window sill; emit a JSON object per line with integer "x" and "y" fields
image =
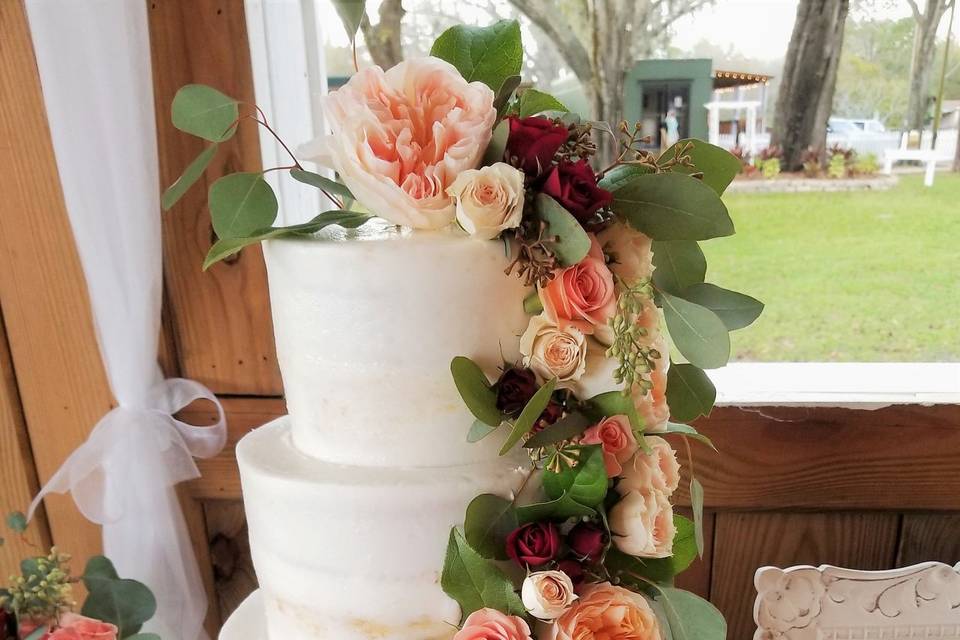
{"x": 861, "y": 385}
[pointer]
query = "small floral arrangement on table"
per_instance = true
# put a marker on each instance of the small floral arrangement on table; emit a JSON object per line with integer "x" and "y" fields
{"x": 39, "y": 605}
{"x": 591, "y": 544}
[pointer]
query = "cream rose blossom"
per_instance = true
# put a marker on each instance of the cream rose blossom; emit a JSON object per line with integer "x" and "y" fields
{"x": 554, "y": 352}
{"x": 490, "y": 624}
{"x": 607, "y": 612}
{"x": 615, "y": 436}
{"x": 401, "y": 137}
{"x": 489, "y": 200}
{"x": 642, "y": 524}
{"x": 547, "y": 594}
{"x": 657, "y": 470}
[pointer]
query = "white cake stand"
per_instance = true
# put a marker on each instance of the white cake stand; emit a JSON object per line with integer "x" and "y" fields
{"x": 247, "y": 621}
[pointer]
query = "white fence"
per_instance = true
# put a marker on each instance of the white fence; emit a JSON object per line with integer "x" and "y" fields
{"x": 865, "y": 143}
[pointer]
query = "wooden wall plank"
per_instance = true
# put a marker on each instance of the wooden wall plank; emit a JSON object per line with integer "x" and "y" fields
{"x": 926, "y": 536}
{"x": 230, "y": 551}
{"x": 744, "y": 542}
{"x": 831, "y": 458}
{"x": 61, "y": 380}
{"x": 221, "y": 320}
{"x": 18, "y": 475}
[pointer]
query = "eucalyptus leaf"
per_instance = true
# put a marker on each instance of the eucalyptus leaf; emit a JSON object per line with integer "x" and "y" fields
{"x": 622, "y": 174}
{"x": 205, "y": 112}
{"x": 690, "y": 617}
{"x": 475, "y": 390}
{"x": 505, "y": 91}
{"x": 529, "y": 416}
{"x": 567, "y": 427}
{"x": 486, "y": 54}
{"x": 189, "y": 177}
{"x": 736, "y": 310}
{"x": 479, "y": 430}
{"x": 351, "y": 14}
{"x": 321, "y": 182}
{"x": 532, "y": 304}
{"x": 476, "y": 583}
{"x": 488, "y": 522}
{"x": 572, "y": 243}
{"x": 689, "y": 432}
{"x": 672, "y": 206}
{"x": 227, "y": 247}
{"x": 16, "y": 521}
{"x": 498, "y": 144}
{"x": 718, "y": 166}
{"x": 678, "y": 264}
{"x": 122, "y": 602}
{"x": 586, "y": 483}
{"x": 532, "y": 102}
{"x": 696, "y": 503}
{"x": 690, "y": 393}
{"x": 240, "y": 204}
{"x": 696, "y": 331}
{"x": 561, "y": 508}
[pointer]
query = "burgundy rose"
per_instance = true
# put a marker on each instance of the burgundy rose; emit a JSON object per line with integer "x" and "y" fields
{"x": 534, "y": 544}
{"x": 573, "y": 569}
{"x": 574, "y": 186}
{"x": 552, "y": 413}
{"x": 534, "y": 141}
{"x": 514, "y": 389}
{"x": 587, "y": 541}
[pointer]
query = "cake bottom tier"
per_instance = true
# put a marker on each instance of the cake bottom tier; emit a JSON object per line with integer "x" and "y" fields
{"x": 355, "y": 553}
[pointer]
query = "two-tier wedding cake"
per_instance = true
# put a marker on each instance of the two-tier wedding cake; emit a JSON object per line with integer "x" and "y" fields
{"x": 476, "y": 354}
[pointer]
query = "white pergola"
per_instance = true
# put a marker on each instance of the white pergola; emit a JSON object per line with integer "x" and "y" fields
{"x": 751, "y": 107}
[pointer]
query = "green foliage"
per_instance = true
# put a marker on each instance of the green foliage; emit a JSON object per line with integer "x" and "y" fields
{"x": 226, "y": 247}
{"x": 697, "y": 332}
{"x": 679, "y": 264}
{"x": 479, "y": 430}
{"x": 636, "y": 358}
{"x": 837, "y": 166}
{"x": 736, "y": 310}
{"x": 489, "y": 55}
{"x": 351, "y": 14}
{"x": 690, "y": 393}
{"x": 690, "y": 617}
{"x": 476, "y": 391}
{"x": 475, "y": 582}
{"x": 718, "y": 166}
{"x": 696, "y": 503}
{"x": 567, "y": 427}
{"x": 42, "y": 590}
{"x": 572, "y": 243}
{"x": 321, "y": 182}
{"x": 672, "y": 206}
{"x": 498, "y": 144}
{"x": 532, "y": 102}
{"x": 769, "y": 167}
{"x": 532, "y": 304}
{"x": 488, "y": 522}
{"x": 122, "y": 602}
{"x": 529, "y": 416}
{"x": 689, "y": 432}
{"x": 562, "y": 508}
{"x": 205, "y": 112}
{"x": 241, "y": 204}
{"x": 866, "y": 164}
{"x": 189, "y": 177}
{"x": 585, "y": 483}
{"x": 16, "y": 521}
{"x": 622, "y": 174}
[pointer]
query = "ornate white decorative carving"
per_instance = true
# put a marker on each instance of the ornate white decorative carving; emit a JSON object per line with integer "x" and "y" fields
{"x": 831, "y": 603}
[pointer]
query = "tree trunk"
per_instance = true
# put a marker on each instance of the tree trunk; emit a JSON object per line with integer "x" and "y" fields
{"x": 922, "y": 61}
{"x": 383, "y": 40}
{"x": 809, "y": 79}
{"x": 609, "y": 62}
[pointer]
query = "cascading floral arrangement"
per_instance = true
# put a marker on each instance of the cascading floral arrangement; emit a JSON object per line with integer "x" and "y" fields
{"x": 590, "y": 546}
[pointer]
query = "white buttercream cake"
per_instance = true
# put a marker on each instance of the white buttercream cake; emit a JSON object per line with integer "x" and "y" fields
{"x": 351, "y": 497}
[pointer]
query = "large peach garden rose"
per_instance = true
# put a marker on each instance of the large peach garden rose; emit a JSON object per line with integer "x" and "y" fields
{"x": 490, "y": 624}
{"x": 606, "y": 612}
{"x": 401, "y": 137}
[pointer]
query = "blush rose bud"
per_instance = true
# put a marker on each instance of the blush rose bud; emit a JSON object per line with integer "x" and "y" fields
{"x": 587, "y": 541}
{"x": 533, "y": 544}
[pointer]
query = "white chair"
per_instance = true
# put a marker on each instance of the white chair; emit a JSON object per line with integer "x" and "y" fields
{"x": 830, "y": 603}
{"x": 927, "y": 156}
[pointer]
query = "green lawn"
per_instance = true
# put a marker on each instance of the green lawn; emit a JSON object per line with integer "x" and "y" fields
{"x": 856, "y": 276}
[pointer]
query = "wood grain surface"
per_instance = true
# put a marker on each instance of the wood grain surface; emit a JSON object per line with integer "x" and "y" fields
{"x": 220, "y": 319}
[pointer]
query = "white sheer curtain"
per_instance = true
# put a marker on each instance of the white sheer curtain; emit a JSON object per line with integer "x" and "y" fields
{"x": 94, "y": 62}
